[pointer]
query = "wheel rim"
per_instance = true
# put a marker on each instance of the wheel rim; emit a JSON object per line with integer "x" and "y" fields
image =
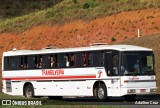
{"x": 29, "y": 93}
{"x": 101, "y": 93}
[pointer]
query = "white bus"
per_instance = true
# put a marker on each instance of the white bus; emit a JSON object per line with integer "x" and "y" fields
{"x": 102, "y": 71}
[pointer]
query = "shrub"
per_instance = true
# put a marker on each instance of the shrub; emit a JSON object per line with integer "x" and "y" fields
{"x": 113, "y": 39}
{"x": 153, "y": 22}
{"x": 86, "y": 6}
{"x": 117, "y": 32}
{"x": 112, "y": 23}
{"x": 123, "y": 28}
{"x": 156, "y": 28}
{"x": 125, "y": 37}
{"x": 74, "y": 1}
{"x": 1, "y": 47}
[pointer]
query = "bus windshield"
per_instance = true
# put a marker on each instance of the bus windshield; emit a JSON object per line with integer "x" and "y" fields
{"x": 137, "y": 63}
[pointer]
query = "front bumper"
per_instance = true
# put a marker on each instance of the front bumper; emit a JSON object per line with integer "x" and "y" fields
{"x": 128, "y": 91}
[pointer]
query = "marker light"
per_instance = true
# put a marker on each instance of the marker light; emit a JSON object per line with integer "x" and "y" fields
{"x": 154, "y": 90}
{"x": 131, "y": 91}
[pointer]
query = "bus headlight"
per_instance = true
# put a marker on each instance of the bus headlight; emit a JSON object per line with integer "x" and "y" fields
{"x": 153, "y": 90}
{"x": 131, "y": 91}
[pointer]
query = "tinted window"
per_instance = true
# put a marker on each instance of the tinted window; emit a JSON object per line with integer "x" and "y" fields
{"x": 140, "y": 63}
{"x": 23, "y": 62}
{"x": 146, "y": 63}
{"x": 11, "y": 63}
{"x": 53, "y": 61}
{"x": 46, "y": 61}
{"x": 79, "y": 59}
{"x": 112, "y": 63}
{"x": 67, "y": 60}
{"x": 6, "y": 63}
{"x": 96, "y": 58}
{"x": 61, "y": 61}
{"x": 31, "y": 62}
{"x": 72, "y": 60}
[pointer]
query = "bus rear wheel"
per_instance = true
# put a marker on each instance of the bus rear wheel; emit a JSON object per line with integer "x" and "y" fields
{"x": 28, "y": 91}
{"x": 102, "y": 92}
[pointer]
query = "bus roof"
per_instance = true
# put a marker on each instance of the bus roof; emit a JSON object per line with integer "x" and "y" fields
{"x": 90, "y": 48}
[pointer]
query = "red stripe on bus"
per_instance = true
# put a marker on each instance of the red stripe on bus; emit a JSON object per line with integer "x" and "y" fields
{"x": 55, "y": 77}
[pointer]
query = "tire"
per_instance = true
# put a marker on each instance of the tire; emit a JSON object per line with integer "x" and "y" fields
{"x": 130, "y": 97}
{"x": 102, "y": 93}
{"x": 55, "y": 97}
{"x": 29, "y": 91}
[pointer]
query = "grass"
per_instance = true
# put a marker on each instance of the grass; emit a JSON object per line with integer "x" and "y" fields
{"x": 11, "y": 9}
{"x": 55, "y": 103}
{"x": 68, "y": 10}
{"x": 66, "y": 106}
{"x": 158, "y": 90}
{"x": 5, "y": 96}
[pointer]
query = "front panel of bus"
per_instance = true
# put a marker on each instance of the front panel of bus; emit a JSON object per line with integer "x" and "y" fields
{"x": 137, "y": 72}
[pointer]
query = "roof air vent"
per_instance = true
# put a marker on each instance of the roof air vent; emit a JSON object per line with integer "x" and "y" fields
{"x": 97, "y": 44}
{"x": 14, "y": 49}
{"x": 50, "y": 47}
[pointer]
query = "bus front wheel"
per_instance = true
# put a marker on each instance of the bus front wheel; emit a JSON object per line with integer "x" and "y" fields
{"x": 102, "y": 92}
{"x": 28, "y": 91}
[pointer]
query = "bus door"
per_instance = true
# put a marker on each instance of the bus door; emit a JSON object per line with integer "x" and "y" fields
{"x": 112, "y": 69}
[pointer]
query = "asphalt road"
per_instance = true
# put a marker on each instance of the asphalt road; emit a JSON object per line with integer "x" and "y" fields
{"x": 142, "y": 101}
{"x": 147, "y": 100}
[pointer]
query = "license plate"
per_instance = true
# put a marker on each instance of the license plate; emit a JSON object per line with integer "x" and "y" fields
{"x": 142, "y": 90}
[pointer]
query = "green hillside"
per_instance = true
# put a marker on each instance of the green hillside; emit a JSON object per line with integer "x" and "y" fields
{"x": 14, "y": 8}
{"x": 19, "y": 16}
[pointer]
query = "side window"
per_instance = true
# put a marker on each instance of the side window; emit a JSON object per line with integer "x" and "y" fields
{"x": 40, "y": 61}
{"x": 61, "y": 61}
{"x": 67, "y": 60}
{"x": 146, "y": 63}
{"x": 109, "y": 64}
{"x": 53, "y": 61}
{"x": 11, "y": 63}
{"x": 24, "y": 62}
{"x": 46, "y": 61}
{"x": 85, "y": 59}
{"x": 6, "y": 63}
{"x": 115, "y": 64}
{"x": 19, "y": 62}
{"x": 112, "y": 63}
{"x": 31, "y": 62}
{"x": 72, "y": 60}
{"x": 79, "y": 59}
{"x": 14, "y": 63}
{"x": 89, "y": 59}
{"x": 97, "y": 58}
